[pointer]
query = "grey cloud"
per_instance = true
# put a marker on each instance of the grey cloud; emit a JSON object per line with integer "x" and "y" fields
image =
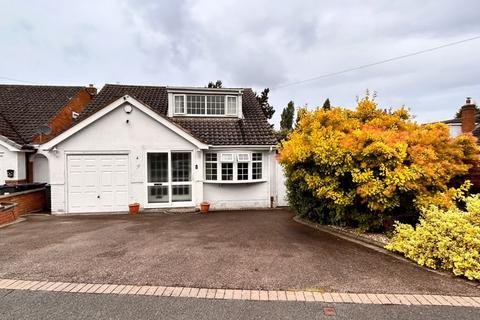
{"x": 255, "y": 43}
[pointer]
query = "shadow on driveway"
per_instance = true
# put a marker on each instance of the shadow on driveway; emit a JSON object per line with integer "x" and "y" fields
{"x": 236, "y": 249}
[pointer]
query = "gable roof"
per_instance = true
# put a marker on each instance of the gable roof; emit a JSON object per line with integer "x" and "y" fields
{"x": 252, "y": 130}
{"x": 114, "y": 105}
{"x": 24, "y": 108}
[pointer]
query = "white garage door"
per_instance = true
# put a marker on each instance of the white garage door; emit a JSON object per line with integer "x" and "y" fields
{"x": 97, "y": 183}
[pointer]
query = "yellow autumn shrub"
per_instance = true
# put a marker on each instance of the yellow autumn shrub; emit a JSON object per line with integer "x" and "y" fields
{"x": 366, "y": 165}
{"x": 443, "y": 239}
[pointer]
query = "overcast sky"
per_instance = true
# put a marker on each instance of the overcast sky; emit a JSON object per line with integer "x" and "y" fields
{"x": 254, "y": 44}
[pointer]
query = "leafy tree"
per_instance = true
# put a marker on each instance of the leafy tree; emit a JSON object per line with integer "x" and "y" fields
{"x": 369, "y": 166}
{"x": 216, "y": 84}
{"x": 262, "y": 99}
{"x": 326, "y": 105}
{"x": 288, "y": 113}
{"x": 286, "y": 122}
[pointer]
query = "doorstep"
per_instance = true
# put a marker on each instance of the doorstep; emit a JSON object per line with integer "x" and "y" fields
{"x": 171, "y": 210}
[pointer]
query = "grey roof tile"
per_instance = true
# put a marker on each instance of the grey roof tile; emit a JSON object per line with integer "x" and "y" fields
{"x": 252, "y": 130}
{"x": 23, "y": 108}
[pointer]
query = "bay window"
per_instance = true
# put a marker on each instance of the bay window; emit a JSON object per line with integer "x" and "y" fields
{"x": 233, "y": 167}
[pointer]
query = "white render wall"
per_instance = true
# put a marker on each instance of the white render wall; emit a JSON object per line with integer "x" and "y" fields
{"x": 11, "y": 160}
{"x": 111, "y": 134}
{"x": 40, "y": 168}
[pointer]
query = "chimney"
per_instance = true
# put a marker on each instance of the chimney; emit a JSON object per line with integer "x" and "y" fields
{"x": 91, "y": 90}
{"x": 468, "y": 116}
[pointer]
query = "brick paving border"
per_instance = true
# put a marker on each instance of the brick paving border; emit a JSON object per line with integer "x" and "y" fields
{"x": 229, "y": 294}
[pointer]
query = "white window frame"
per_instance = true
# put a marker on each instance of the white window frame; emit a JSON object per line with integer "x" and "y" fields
{"x": 184, "y": 104}
{"x": 215, "y": 162}
{"x": 205, "y": 112}
{"x": 227, "y": 157}
{"x": 235, "y": 158}
{"x": 262, "y": 167}
{"x": 226, "y": 106}
{"x": 245, "y": 155}
{"x": 170, "y": 183}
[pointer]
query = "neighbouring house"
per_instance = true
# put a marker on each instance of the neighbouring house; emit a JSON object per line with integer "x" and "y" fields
{"x": 30, "y": 115}
{"x": 469, "y": 121}
{"x": 164, "y": 147}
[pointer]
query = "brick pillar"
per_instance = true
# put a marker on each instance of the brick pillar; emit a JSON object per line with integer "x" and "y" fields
{"x": 468, "y": 116}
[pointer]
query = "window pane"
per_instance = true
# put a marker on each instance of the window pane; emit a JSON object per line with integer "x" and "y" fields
{"x": 179, "y": 104}
{"x": 227, "y": 171}
{"x": 181, "y": 193}
{"x": 181, "y": 166}
{"x": 157, "y": 194}
{"x": 211, "y": 171}
{"x": 227, "y": 157}
{"x": 211, "y": 157}
{"x": 157, "y": 167}
{"x": 195, "y": 104}
{"x": 242, "y": 169}
{"x": 232, "y": 105}
{"x": 243, "y": 157}
{"x": 257, "y": 156}
{"x": 256, "y": 170}
{"x": 215, "y": 104}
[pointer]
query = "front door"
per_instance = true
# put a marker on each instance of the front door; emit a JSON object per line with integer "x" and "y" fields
{"x": 169, "y": 178}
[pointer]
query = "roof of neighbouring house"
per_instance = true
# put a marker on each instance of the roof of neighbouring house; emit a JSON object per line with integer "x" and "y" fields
{"x": 253, "y": 129}
{"x": 24, "y": 108}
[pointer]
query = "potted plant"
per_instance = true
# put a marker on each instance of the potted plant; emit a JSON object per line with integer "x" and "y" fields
{"x": 204, "y": 207}
{"x": 133, "y": 208}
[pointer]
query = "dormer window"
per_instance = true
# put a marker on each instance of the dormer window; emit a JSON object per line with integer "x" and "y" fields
{"x": 231, "y": 106}
{"x": 209, "y": 105}
{"x": 180, "y": 104}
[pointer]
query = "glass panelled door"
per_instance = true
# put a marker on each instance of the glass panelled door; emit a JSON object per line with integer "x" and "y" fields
{"x": 181, "y": 176}
{"x": 169, "y": 177}
{"x": 157, "y": 178}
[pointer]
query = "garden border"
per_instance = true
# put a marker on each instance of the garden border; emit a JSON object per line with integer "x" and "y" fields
{"x": 377, "y": 246}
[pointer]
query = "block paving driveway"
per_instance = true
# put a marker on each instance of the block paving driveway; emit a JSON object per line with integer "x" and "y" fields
{"x": 235, "y": 250}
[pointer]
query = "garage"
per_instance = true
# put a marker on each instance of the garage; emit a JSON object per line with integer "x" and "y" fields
{"x": 97, "y": 183}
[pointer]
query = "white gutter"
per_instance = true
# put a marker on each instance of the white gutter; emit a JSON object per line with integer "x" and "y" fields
{"x": 265, "y": 147}
{"x": 9, "y": 144}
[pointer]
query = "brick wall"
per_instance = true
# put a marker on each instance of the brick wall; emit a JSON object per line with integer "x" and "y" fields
{"x": 15, "y": 182}
{"x": 27, "y": 201}
{"x": 7, "y": 215}
{"x": 63, "y": 120}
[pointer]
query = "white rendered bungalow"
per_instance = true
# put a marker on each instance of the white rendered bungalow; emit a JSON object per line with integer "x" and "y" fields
{"x": 164, "y": 147}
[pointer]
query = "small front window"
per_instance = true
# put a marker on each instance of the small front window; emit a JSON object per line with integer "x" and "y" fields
{"x": 227, "y": 171}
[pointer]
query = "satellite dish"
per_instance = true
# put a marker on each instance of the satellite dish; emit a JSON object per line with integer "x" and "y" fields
{"x": 44, "y": 130}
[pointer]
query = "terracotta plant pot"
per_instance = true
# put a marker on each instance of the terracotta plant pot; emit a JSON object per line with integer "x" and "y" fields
{"x": 133, "y": 208}
{"x": 204, "y": 207}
